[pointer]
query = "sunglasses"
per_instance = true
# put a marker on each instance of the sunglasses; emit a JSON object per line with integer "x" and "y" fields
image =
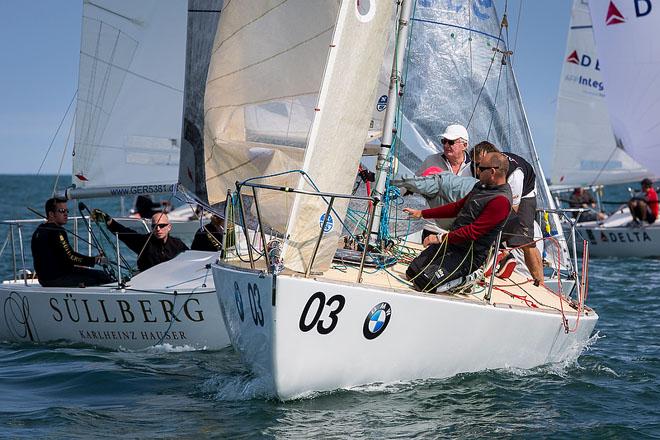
{"x": 449, "y": 142}
{"x": 487, "y": 168}
{"x": 159, "y": 226}
{"x": 62, "y": 210}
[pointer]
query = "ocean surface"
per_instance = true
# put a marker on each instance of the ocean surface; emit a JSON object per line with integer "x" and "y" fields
{"x": 611, "y": 391}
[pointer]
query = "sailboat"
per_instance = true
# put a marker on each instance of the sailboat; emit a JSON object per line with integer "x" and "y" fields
{"x": 300, "y": 322}
{"x": 128, "y": 136}
{"x": 588, "y": 151}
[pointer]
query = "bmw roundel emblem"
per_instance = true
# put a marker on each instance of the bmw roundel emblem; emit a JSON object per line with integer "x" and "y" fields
{"x": 377, "y": 320}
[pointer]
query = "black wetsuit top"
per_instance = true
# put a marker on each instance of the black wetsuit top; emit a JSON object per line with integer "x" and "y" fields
{"x": 155, "y": 251}
{"x": 52, "y": 254}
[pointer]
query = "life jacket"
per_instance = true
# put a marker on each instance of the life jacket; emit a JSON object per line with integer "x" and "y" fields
{"x": 476, "y": 201}
{"x": 529, "y": 181}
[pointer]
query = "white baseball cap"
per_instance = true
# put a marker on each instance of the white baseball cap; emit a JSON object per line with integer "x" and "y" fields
{"x": 455, "y": 131}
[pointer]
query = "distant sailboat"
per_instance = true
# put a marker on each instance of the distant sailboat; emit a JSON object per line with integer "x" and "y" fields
{"x": 588, "y": 150}
{"x": 585, "y": 151}
{"x": 300, "y": 322}
{"x": 128, "y": 138}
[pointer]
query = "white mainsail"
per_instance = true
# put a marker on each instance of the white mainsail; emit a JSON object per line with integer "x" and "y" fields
{"x": 299, "y": 99}
{"x": 460, "y": 71}
{"x": 585, "y": 150}
{"x": 626, "y": 34}
{"x": 130, "y": 93}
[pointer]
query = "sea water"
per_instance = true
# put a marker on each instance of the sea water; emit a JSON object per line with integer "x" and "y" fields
{"x": 73, "y": 391}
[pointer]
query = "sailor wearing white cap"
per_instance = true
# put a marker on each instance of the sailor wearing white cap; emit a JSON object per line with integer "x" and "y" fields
{"x": 454, "y": 157}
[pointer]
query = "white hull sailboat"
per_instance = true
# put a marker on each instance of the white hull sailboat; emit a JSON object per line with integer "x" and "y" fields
{"x": 327, "y": 332}
{"x": 300, "y": 322}
{"x": 615, "y": 237}
{"x": 588, "y": 150}
{"x": 128, "y": 138}
{"x": 172, "y": 305}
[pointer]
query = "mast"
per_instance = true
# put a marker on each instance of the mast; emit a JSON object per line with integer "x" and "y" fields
{"x": 395, "y": 90}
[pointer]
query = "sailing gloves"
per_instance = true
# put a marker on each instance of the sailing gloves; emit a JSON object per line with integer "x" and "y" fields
{"x": 98, "y": 215}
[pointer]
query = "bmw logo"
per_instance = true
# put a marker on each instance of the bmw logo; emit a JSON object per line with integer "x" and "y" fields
{"x": 377, "y": 320}
{"x": 239, "y": 301}
{"x": 328, "y": 225}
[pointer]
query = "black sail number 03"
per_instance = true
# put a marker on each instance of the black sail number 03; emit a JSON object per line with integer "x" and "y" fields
{"x": 255, "y": 304}
{"x": 335, "y": 304}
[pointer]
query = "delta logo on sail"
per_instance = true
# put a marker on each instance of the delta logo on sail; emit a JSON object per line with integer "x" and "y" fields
{"x": 614, "y": 15}
{"x": 584, "y": 61}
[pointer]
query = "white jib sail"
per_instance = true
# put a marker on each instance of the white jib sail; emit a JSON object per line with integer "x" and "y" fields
{"x": 263, "y": 82}
{"x": 291, "y": 86}
{"x": 130, "y": 92}
{"x": 585, "y": 151}
{"x": 340, "y": 125}
{"x": 627, "y": 38}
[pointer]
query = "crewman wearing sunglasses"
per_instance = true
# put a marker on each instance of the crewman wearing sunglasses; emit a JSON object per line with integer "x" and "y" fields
{"x": 55, "y": 261}
{"x": 152, "y": 249}
{"x": 454, "y": 157}
{"x": 479, "y": 217}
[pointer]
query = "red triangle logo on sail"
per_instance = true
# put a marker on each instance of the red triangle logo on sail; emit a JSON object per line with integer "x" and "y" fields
{"x": 613, "y": 15}
{"x": 82, "y": 177}
{"x": 573, "y": 58}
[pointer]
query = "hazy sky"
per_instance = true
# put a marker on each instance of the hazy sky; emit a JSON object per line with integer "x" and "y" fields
{"x": 40, "y": 43}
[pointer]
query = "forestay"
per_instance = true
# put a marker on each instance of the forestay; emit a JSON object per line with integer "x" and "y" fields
{"x": 130, "y": 92}
{"x": 626, "y": 34}
{"x": 291, "y": 86}
{"x": 585, "y": 151}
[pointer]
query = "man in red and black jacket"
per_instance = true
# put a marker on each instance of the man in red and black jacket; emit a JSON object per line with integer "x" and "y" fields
{"x": 480, "y": 216}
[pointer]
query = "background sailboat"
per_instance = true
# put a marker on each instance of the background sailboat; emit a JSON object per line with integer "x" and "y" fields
{"x": 606, "y": 124}
{"x": 129, "y": 103}
{"x": 586, "y": 151}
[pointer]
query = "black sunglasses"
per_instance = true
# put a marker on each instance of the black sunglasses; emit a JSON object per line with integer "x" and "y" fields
{"x": 487, "y": 168}
{"x": 449, "y": 142}
{"x": 159, "y": 225}
{"x": 62, "y": 210}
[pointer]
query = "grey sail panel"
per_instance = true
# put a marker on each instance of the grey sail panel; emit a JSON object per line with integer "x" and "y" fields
{"x": 130, "y": 93}
{"x": 458, "y": 72}
{"x": 203, "y": 16}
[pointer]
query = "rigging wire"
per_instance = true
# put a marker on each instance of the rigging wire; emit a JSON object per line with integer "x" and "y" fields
{"x": 59, "y": 168}
{"x": 52, "y": 141}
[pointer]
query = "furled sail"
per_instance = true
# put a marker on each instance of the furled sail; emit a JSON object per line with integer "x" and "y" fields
{"x": 626, "y": 34}
{"x": 585, "y": 151}
{"x": 291, "y": 86}
{"x": 130, "y": 93}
